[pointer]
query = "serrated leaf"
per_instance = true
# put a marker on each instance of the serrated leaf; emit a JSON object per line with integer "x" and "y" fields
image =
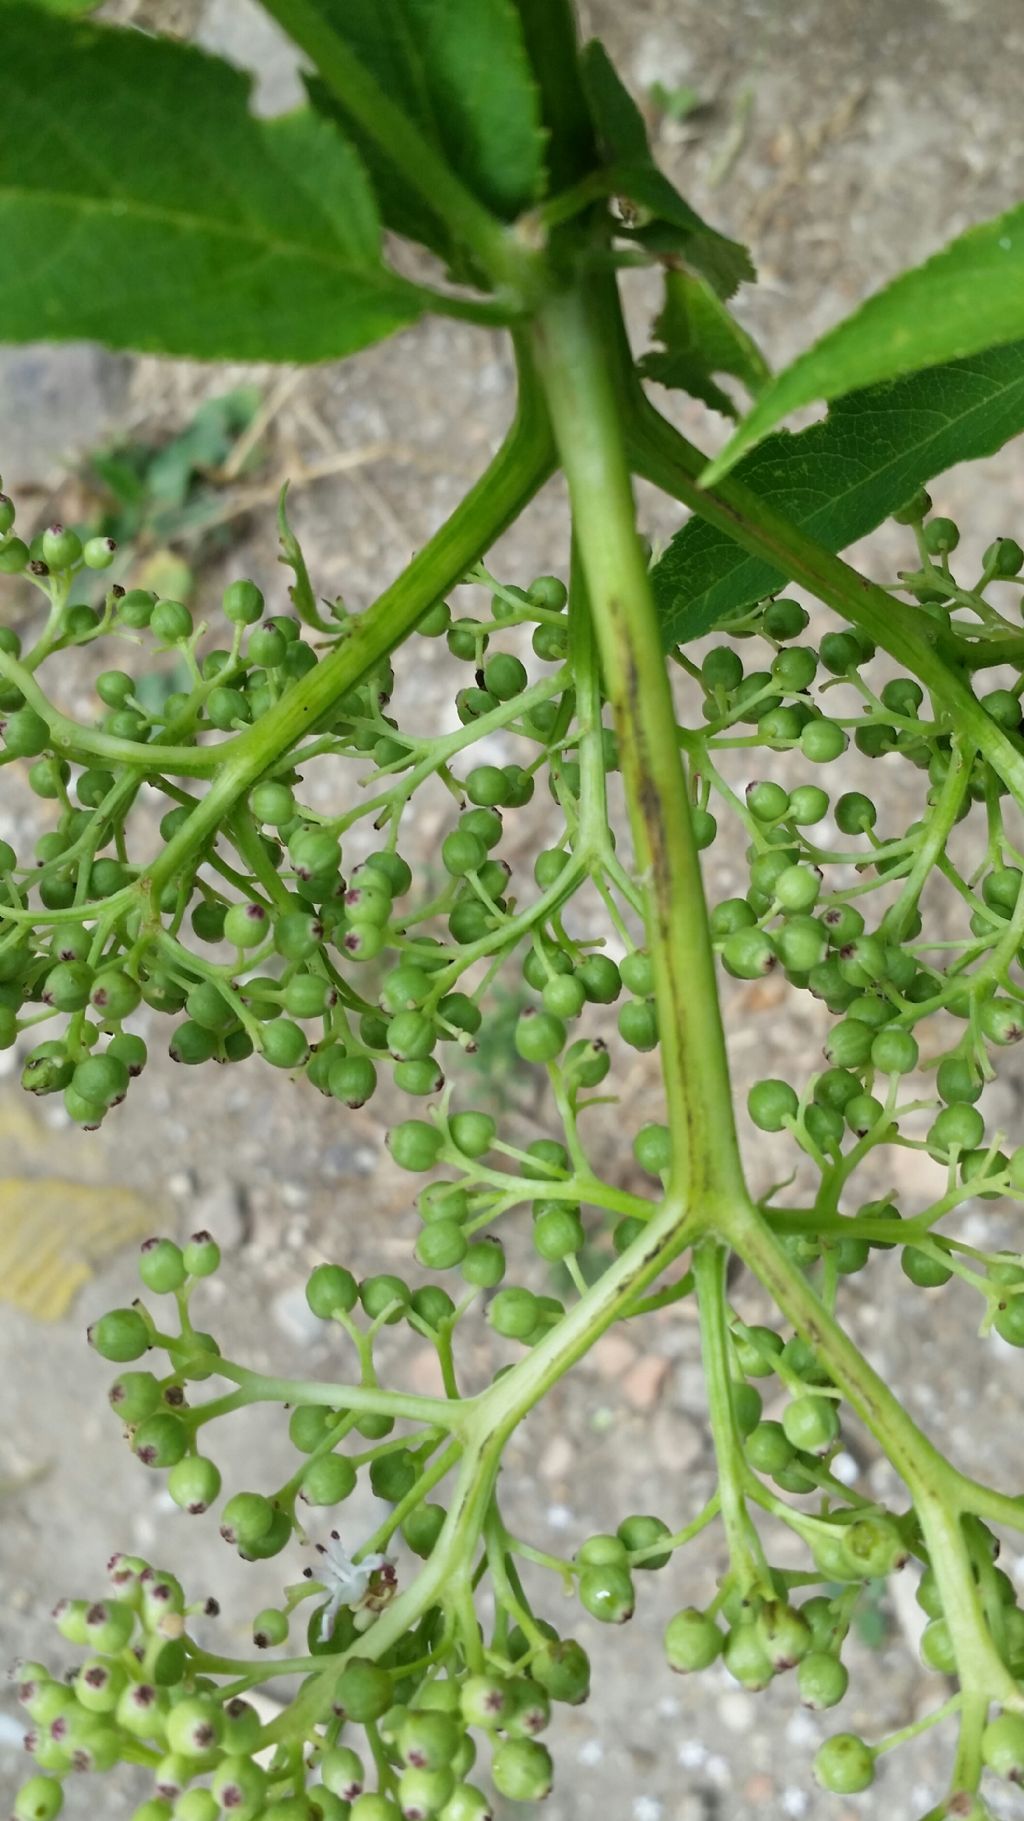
{"x": 699, "y": 338}
{"x": 459, "y": 69}
{"x": 142, "y": 205}
{"x": 402, "y": 209}
{"x": 966, "y": 299}
{"x": 841, "y": 478}
{"x": 675, "y": 226}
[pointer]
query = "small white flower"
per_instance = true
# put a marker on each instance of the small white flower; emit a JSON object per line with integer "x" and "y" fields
{"x": 347, "y": 1582}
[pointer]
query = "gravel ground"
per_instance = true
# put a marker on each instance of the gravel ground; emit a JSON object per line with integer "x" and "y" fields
{"x": 843, "y": 139}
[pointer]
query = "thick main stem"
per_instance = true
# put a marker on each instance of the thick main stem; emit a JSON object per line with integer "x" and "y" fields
{"x": 572, "y": 362}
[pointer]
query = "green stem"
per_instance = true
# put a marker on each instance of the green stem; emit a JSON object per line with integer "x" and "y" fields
{"x": 933, "y": 1484}
{"x": 518, "y": 469}
{"x": 260, "y": 1389}
{"x": 665, "y": 457}
{"x": 572, "y": 360}
{"x": 710, "y": 1260}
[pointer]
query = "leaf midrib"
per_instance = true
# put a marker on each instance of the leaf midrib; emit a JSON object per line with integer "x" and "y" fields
{"x": 72, "y": 202}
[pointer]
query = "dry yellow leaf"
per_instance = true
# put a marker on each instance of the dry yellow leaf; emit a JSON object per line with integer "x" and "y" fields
{"x": 54, "y": 1232}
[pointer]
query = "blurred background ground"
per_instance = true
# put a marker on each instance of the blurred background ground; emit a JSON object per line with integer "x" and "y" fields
{"x": 843, "y": 139}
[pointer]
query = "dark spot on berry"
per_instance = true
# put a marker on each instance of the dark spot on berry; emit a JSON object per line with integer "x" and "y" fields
{"x": 97, "y": 1676}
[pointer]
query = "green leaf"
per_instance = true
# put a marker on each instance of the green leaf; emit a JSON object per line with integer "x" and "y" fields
{"x": 459, "y": 70}
{"x": 965, "y": 299}
{"x": 69, "y": 9}
{"x": 142, "y": 205}
{"x": 841, "y": 478}
{"x": 700, "y": 337}
{"x": 674, "y": 226}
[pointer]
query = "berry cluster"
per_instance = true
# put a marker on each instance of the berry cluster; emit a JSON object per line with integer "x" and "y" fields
{"x": 265, "y": 926}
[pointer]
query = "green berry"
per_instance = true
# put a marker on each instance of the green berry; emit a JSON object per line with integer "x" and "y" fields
{"x": 415, "y": 1145}
{"x": 194, "y": 1484}
{"x": 134, "y": 1395}
{"x": 745, "y": 1657}
{"x": 607, "y": 1593}
{"x": 242, "y": 603}
{"x": 926, "y": 1272}
{"x": 692, "y": 1641}
{"x": 767, "y": 801}
{"x": 770, "y": 1103}
{"x": 161, "y": 1264}
{"x": 822, "y": 1680}
{"x": 194, "y": 1726}
{"x": 748, "y": 954}
{"x": 811, "y": 1424}
{"x": 269, "y": 1627}
{"x": 473, "y": 1133}
{"x": 845, "y": 1765}
{"x": 768, "y": 1448}
{"x": 484, "y": 1263}
{"x": 1002, "y": 1747}
{"x": 363, "y": 1690}
{"x": 639, "y": 1533}
{"x": 171, "y": 622}
{"x": 60, "y": 547}
{"x": 895, "y": 1052}
{"x": 638, "y": 1024}
{"x": 441, "y": 1246}
{"x": 522, "y": 1770}
{"x": 539, "y": 1037}
{"x": 201, "y": 1255}
{"x": 284, "y": 1045}
{"x": 563, "y": 1670}
{"x": 246, "y": 1519}
{"x": 40, "y": 1799}
{"x": 246, "y": 925}
{"x": 822, "y": 741}
{"x": 114, "y": 994}
{"x": 958, "y": 1125}
{"x": 342, "y": 1771}
{"x": 784, "y": 1634}
{"x": 798, "y": 888}
{"x": 120, "y": 1335}
{"x": 161, "y": 1440}
{"x": 514, "y": 1313}
{"x": 384, "y": 1292}
{"x": 331, "y": 1287}
{"x": 198, "y": 1805}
